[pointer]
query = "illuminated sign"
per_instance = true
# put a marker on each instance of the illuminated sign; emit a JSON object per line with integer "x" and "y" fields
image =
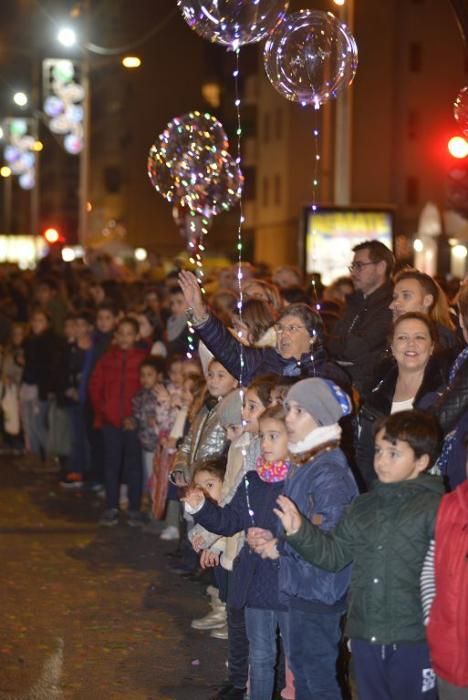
{"x": 331, "y": 234}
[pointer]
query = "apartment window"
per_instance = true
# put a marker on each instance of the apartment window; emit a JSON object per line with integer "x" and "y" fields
{"x": 413, "y": 125}
{"x": 277, "y": 190}
{"x": 265, "y": 191}
{"x": 279, "y": 124}
{"x": 415, "y": 57}
{"x": 266, "y": 128}
{"x": 412, "y": 191}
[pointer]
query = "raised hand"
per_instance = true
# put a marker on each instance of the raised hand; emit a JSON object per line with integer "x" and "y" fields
{"x": 288, "y": 514}
{"x": 192, "y": 292}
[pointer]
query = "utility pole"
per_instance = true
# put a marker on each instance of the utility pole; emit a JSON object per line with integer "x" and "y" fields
{"x": 85, "y": 153}
{"x": 344, "y": 127}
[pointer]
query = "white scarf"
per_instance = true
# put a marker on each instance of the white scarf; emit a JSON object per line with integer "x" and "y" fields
{"x": 319, "y": 436}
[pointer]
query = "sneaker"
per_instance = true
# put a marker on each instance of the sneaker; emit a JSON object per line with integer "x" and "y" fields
{"x": 135, "y": 518}
{"x": 213, "y": 620}
{"x": 220, "y": 632}
{"x": 109, "y": 518}
{"x": 169, "y": 533}
{"x": 72, "y": 480}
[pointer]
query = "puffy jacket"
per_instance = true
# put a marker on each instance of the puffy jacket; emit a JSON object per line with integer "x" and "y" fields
{"x": 254, "y": 580}
{"x": 386, "y": 535}
{"x": 113, "y": 384}
{"x": 323, "y": 486}
{"x": 258, "y": 361}
{"x": 206, "y": 438}
{"x": 379, "y": 404}
{"x": 360, "y": 337}
{"x": 453, "y": 402}
{"x": 447, "y": 631}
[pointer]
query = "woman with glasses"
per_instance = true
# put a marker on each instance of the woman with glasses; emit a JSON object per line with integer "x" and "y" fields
{"x": 299, "y": 347}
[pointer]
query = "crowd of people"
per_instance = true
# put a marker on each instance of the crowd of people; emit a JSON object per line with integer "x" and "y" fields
{"x": 304, "y": 447}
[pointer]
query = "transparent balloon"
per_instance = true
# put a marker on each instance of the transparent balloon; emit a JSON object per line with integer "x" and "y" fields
{"x": 310, "y": 57}
{"x": 218, "y": 193}
{"x": 233, "y": 22}
{"x": 187, "y": 152}
{"x": 460, "y": 110}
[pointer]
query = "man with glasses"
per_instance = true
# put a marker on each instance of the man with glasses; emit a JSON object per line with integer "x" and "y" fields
{"x": 360, "y": 336}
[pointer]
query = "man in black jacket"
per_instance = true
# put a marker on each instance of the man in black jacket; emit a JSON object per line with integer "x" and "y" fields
{"x": 361, "y": 335}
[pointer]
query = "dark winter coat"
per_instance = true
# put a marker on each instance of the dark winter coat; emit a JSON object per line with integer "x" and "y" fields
{"x": 254, "y": 581}
{"x": 113, "y": 384}
{"x": 360, "y": 337}
{"x": 386, "y": 535}
{"x": 322, "y": 487}
{"x": 260, "y": 361}
{"x": 379, "y": 404}
{"x": 43, "y": 362}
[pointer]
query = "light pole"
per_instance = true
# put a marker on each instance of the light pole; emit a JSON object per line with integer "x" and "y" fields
{"x": 344, "y": 123}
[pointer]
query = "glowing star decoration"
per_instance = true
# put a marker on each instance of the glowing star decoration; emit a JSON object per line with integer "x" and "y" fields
{"x": 460, "y": 110}
{"x": 19, "y": 151}
{"x": 310, "y": 57}
{"x": 189, "y": 165}
{"x": 63, "y": 103}
{"x": 233, "y": 23}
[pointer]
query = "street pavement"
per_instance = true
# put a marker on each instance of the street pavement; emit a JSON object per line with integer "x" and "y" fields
{"x": 90, "y": 613}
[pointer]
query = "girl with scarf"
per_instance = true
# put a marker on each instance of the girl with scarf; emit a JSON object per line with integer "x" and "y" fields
{"x": 254, "y": 581}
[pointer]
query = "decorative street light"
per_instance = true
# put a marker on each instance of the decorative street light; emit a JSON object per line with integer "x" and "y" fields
{"x": 20, "y": 99}
{"x": 67, "y": 37}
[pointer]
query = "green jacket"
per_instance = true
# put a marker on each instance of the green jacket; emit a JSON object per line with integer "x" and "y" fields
{"x": 386, "y": 534}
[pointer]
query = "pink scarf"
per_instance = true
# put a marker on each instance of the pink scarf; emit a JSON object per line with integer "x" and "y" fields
{"x": 272, "y": 472}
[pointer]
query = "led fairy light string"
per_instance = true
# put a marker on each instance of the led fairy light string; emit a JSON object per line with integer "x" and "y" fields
{"x": 196, "y": 249}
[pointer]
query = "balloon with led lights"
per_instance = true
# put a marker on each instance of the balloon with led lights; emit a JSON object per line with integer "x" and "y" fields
{"x": 310, "y": 57}
{"x": 233, "y": 22}
{"x": 460, "y": 110}
{"x": 222, "y": 191}
{"x": 189, "y": 151}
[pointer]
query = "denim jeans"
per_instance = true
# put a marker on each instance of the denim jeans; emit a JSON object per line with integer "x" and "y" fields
{"x": 34, "y": 414}
{"x": 80, "y": 457}
{"x": 122, "y": 457}
{"x": 313, "y": 652}
{"x": 262, "y": 628}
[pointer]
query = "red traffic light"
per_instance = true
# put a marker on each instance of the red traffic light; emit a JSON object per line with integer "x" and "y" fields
{"x": 458, "y": 147}
{"x": 51, "y": 235}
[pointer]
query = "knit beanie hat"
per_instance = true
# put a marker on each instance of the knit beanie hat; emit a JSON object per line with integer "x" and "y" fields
{"x": 230, "y": 409}
{"x": 322, "y": 398}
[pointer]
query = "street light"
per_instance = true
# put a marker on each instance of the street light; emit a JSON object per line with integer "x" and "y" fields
{"x": 67, "y": 37}
{"x": 131, "y": 62}
{"x": 20, "y": 99}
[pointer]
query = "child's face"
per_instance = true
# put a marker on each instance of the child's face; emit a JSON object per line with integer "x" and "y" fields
{"x": 105, "y": 321}
{"x": 396, "y": 462}
{"x": 82, "y": 328}
{"x": 187, "y": 393}
{"x": 146, "y": 329}
{"x": 69, "y": 329}
{"x": 148, "y": 377}
{"x": 175, "y": 374}
{"x": 251, "y": 411}
{"x": 219, "y": 382}
{"x": 209, "y": 483}
{"x": 126, "y": 336}
{"x": 177, "y": 304}
{"x": 273, "y": 439}
{"x": 39, "y": 323}
{"x": 17, "y": 335}
{"x": 234, "y": 431}
{"x": 299, "y": 423}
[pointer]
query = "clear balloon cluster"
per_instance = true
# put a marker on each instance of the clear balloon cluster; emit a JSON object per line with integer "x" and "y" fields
{"x": 190, "y": 166}
{"x": 19, "y": 153}
{"x": 460, "y": 111}
{"x": 64, "y": 106}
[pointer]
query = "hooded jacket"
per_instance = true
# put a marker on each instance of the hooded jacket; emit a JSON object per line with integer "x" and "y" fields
{"x": 385, "y": 535}
{"x": 447, "y": 631}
